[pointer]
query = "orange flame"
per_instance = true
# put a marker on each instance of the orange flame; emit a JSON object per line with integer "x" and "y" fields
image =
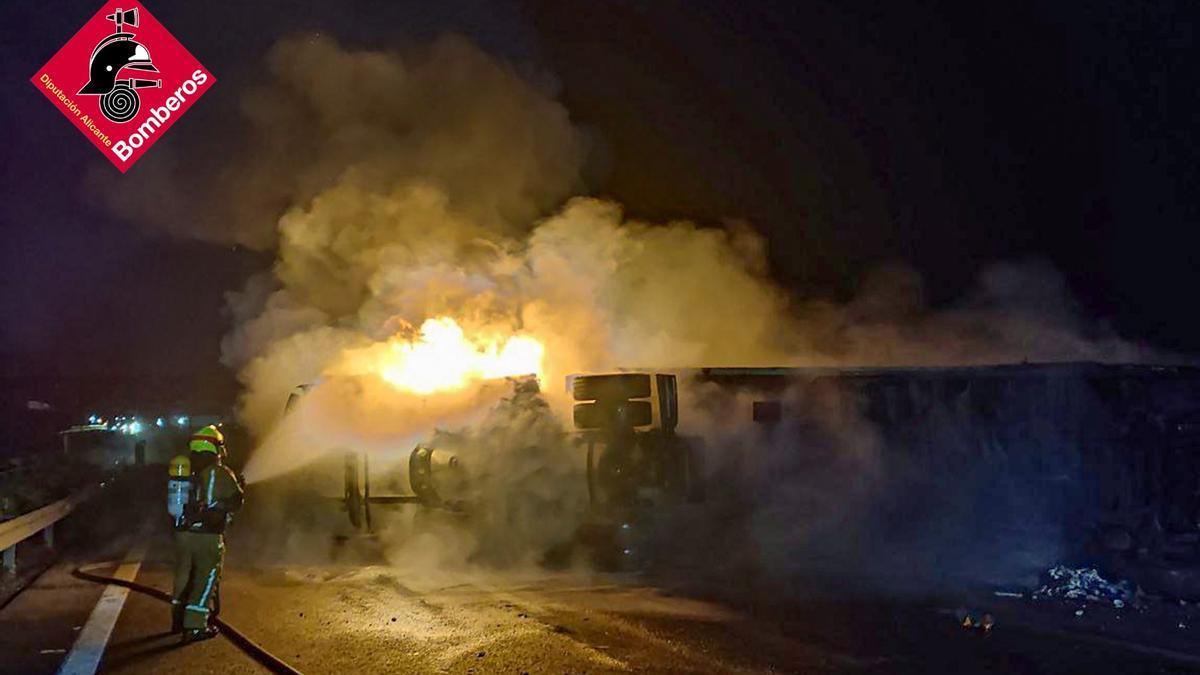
{"x": 443, "y": 358}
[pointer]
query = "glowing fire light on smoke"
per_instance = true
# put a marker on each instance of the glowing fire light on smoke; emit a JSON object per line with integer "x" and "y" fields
{"x": 443, "y": 358}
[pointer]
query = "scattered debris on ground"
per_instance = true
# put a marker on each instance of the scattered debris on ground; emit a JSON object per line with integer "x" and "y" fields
{"x": 1084, "y": 583}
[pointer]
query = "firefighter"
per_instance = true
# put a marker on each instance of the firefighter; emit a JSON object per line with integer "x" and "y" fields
{"x": 216, "y": 494}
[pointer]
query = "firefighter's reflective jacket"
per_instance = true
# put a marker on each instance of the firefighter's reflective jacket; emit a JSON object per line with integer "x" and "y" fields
{"x": 216, "y": 495}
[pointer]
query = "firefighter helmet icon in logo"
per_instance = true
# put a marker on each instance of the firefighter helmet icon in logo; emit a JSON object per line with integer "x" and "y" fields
{"x": 110, "y": 65}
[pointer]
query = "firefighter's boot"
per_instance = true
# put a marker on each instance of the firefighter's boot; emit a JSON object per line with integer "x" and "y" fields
{"x": 200, "y": 634}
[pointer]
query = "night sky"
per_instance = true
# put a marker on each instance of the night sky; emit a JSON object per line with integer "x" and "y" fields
{"x": 944, "y": 134}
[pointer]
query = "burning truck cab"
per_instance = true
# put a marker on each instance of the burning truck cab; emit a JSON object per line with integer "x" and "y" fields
{"x": 627, "y": 423}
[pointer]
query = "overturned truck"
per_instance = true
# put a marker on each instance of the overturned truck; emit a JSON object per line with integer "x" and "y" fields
{"x": 1079, "y": 459}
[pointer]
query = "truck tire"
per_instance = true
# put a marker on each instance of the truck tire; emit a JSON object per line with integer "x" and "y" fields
{"x": 618, "y": 386}
{"x": 366, "y": 492}
{"x": 353, "y": 499}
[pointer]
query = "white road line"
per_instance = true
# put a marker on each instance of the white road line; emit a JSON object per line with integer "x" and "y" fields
{"x": 85, "y": 655}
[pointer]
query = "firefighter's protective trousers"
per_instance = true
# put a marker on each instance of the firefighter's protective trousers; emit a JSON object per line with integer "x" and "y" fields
{"x": 198, "y": 558}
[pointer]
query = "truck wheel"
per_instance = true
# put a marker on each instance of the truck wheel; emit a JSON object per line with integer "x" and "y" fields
{"x": 353, "y": 494}
{"x": 618, "y": 386}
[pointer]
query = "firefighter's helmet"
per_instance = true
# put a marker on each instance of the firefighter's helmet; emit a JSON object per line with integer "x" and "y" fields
{"x": 110, "y": 58}
{"x": 208, "y": 439}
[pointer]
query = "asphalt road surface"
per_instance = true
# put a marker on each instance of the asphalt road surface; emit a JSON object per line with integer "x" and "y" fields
{"x": 378, "y": 618}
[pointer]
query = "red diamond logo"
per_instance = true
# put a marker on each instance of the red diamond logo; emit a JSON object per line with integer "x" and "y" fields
{"x": 123, "y": 80}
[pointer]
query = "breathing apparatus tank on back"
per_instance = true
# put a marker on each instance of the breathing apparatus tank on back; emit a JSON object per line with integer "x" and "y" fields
{"x": 179, "y": 484}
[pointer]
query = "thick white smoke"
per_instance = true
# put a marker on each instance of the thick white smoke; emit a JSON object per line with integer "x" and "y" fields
{"x": 437, "y": 183}
{"x": 396, "y": 187}
{"x": 1016, "y": 312}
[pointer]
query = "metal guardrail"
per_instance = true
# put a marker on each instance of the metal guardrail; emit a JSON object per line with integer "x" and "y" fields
{"x": 17, "y": 530}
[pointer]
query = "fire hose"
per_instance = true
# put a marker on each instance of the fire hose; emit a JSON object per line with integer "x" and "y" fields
{"x": 250, "y": 647}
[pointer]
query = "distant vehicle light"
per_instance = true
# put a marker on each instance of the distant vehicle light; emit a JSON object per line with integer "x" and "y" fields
{"x": 182, "y": 421}
{"x": 159, "y": 422}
